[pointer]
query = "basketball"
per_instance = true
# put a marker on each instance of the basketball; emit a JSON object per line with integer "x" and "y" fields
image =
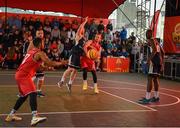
{"x": 93, "y": 54}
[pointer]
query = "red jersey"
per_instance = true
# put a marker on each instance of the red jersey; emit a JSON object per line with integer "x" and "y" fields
{"x": 97, "y": 46}
{"x": 28, "y": 66}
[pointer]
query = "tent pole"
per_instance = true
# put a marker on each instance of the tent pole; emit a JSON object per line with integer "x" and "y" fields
{"x": 82, "y": 8}
{"x": 5, "y": 12}
{"x": 154, "y": 21}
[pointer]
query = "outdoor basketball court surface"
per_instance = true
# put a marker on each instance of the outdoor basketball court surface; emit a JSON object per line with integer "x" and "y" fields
{"x": 115, "y": 106}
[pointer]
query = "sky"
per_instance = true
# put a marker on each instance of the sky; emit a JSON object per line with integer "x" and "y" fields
{"x": 158, "y": 5}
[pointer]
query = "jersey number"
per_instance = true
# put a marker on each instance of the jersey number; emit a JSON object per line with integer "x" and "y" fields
{"x": 25, "y": 58}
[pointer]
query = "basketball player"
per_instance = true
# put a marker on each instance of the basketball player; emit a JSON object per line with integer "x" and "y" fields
{"x": 31, "y": 62}
{"x": 88, "y": 64}
{"x": 39, "y": 74}
{"x": 74, "y": 59}
{"x": 155, "y": 62}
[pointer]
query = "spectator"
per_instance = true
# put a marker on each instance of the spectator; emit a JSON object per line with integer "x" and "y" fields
{"x": 124, "y": 53}
{"x": 132, "y": 38}
{"x": 109, "y": 26}
{"x": 71, "y": 34}
{"x": 55, "y": 34}
{"x": 100, "y": 27}
{"x": 108, "y": 36}
{"x": 123, "y": 35}
{"x": 10, "y": 58}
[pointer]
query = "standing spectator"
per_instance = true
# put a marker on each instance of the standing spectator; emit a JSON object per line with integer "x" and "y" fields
{"x": 132, "y": 38}
{"x": 55, "y": 34}
{"x": 100, "y": 27}
{"x": 71, "y": 35}
{"x": 109, "y": 26}
{"x": 123, "y": 35}
{"x": 17, "y": 22}
{"x": 55, "y": 23}
{"x": 108, "y": 36}
{"x": 37, "y": 24}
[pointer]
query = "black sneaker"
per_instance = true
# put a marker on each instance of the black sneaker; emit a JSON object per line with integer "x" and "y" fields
{"x": 69, "y": 87}
{"x": 144, "y": 101}
{"x": 40, "y": 94}
{"x": 60, "y": 84}
{"x": 153, "y": 99}
{"x": 143, "y": 98}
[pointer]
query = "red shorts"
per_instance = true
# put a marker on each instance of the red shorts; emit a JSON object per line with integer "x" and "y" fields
{"x": 87, "y": 63}
{"x": 25, "y": 84}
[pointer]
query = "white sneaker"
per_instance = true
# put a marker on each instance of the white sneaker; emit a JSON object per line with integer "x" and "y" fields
{"x": 36, "y": 119}
{"x": 85, "y": 86}
{"x": 96, "y": 90}
{"x": 60, "y": 84}
{"x": 13, "y": 117}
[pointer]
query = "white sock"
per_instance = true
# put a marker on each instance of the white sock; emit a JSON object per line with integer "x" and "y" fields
{"x": 156, "y": 94}
{"x": 70, "y": 82}
{"x": 34, "y": 113}
{"x": 84, "y": 81}
{"x": 148, "y": 95}
{"x": 95, "y": 85}
{"x": 12, "y": 112}
{"x": 62, "y": 79}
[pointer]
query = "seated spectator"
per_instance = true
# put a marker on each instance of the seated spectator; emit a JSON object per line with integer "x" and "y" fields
{"x": 10, "y": 58}
{"x": 109, "y": 53}
{"x": 109, "y": 46}
{"x": 55, "y": 33}
{"x": 116, "y": 52}
{"x": 2, "y": 54}
{"x": 124, "y": 53}
{"x": 54, "y": 45}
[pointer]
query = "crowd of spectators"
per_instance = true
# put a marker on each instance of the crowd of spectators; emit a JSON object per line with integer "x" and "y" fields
{"x": 59, "y": 38}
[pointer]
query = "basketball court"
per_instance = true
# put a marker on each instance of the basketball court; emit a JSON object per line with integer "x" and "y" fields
{"x": 115, "y": 106}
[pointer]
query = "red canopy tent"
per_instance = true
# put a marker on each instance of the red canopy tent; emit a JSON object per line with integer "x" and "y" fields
{"x": 91, "y": 8}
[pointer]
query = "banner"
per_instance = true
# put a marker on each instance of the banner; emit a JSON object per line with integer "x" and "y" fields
{"x": 172, "y": 27}
{"x": 115, "y": 64}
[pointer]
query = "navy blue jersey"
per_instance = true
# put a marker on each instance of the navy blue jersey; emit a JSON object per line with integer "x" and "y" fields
{"x": 76, "y": 53}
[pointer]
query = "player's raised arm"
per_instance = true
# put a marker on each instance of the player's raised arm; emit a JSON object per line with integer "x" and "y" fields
{"x": 80, "y": 32}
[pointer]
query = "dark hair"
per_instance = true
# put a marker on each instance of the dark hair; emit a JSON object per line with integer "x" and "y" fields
{"x": 149, "y": 33}
{"x": 37, "y": 41}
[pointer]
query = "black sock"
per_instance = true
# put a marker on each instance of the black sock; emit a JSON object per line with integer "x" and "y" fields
{"x": 94, "y": 76}
{"x": 33, "y": 101}
{"x": 84, "y": 74}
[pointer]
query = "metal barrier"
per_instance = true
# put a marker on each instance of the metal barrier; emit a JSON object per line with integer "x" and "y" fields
{"x": 172, "y": 68}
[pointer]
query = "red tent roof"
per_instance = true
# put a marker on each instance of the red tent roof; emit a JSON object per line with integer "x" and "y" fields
{"x": 91, "y": 8}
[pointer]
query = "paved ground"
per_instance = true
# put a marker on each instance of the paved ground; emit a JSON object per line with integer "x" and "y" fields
{"x": 115, "y": 106}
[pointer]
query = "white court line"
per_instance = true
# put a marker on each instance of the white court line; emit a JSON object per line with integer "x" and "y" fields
{"x": 112, "y": 81}
{"x": 82, "y": 112}
{"x": 159, "y": 105}
{"x": 126, "y": 100}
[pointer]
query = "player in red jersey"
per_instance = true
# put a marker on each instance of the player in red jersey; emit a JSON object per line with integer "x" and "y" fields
{"x": 88, "y": 64}
{"x": 39, "y": 74}
{"x": 32, "y": 61}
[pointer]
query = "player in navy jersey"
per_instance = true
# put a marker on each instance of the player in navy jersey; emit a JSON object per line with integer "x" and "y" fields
{"x": 74, "y": 59}
{"x": 155, "y": 63}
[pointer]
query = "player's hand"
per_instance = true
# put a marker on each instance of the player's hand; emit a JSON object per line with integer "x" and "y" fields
{"x": 63, "y": 62}
{"x": 86, "y": 19}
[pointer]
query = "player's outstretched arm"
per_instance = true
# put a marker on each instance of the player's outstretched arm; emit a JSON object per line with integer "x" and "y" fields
{"x": 43, "y": 57}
